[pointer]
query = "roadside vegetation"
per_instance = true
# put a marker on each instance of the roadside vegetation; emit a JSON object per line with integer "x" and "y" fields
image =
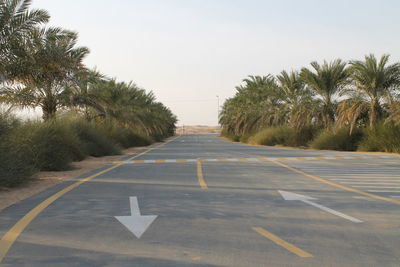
{"x": 85, "y": 113}
{"x": 335, "y": 105}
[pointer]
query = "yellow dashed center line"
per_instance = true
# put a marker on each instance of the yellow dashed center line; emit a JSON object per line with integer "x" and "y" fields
{"x": 200, "y": 176}
{"x": 279, "y": 241}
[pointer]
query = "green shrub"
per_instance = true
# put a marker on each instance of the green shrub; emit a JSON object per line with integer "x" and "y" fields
{"x": 384, "y": 138}
{"x": 282, "y": 135}
{"x": 16, "y": 166}
{"x": 121, "y": 135}
{"x": 93, "y": 141}
{"x": 340, "y": 139}
{"x": 230, "y": 136}
{"x": 53, "y": 145}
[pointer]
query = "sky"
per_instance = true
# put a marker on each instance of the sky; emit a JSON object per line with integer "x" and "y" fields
{"x": 188, "y": 52}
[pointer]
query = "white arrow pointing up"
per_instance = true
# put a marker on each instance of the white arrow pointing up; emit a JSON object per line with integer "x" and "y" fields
{"x": 306, "y": 199}
{"x": 136, "y": 223}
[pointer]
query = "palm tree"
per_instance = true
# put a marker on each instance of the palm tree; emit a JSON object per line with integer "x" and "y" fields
{"x": 297, "y": 100}
{"x": 81, "y": 94}
{"x": 327, "y": 80}
{"x": 255, "y": 106}
{"x": 50, "y": 62}
{"x": 374, "y": 83}
{"x": 16, "y": 22}
{"x": 134, "y": 107}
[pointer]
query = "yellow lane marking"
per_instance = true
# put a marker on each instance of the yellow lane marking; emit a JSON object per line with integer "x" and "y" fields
{"x": 322, "y": 180}
{"x": 224, "y": 160}
{"x": 11, "y": 236}
{"x": 243, "y": 160}
{"x": 200, "y": 176}
{"x": 279, "y": 241}
{"x": 181, "y": 160}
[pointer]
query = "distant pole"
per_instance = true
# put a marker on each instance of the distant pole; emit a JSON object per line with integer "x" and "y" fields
{"x": 218, "y": 109}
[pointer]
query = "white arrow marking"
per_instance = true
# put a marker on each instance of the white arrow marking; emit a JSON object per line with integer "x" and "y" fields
{"x": 136, "y": 223}
{"x": 306, "y": 199}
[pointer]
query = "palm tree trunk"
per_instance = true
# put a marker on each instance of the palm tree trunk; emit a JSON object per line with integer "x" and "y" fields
{"x": 49, "y": 110}
{"x": 373, "y": 114}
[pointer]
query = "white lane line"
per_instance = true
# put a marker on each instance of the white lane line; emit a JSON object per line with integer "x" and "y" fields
{"x": 149, "y": 161}
{"x": 395, "y": 196}
{"x": 384, "y": 191}
{"x": 366, "y": 180}
{"x": 369, "y": 183}
{"x": 170, "y": 160}
{"x": 311, "y": 158}
{"x": 377, "y": 187}
{"x": 364, "y": 171}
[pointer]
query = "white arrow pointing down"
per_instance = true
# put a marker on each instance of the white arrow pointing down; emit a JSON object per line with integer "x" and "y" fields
{"x": 306, "y": 199}
{"x": 136, "y": 223}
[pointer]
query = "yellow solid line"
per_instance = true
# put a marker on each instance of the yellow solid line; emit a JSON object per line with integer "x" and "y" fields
{"x": 243, "y": 160}
{"x": 11, "y": 236}
{"x": 200, "y": 176}
{"x": 322, "y": 180}
{"x": 279, "y": 241}
{"x": 181, "y": 160}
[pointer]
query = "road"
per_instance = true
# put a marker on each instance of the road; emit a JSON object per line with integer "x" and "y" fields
{"x": 214, "y": 203}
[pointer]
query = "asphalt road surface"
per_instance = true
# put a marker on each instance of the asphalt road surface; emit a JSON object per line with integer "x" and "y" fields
{"x": 198, "y": 200}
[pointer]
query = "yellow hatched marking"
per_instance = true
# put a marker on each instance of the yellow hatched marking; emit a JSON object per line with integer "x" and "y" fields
{"x": 11, "y": 236}
{"x": 200, "y": 175}
{"x": 279, "y": 241}
{"x": 322, "y": 180}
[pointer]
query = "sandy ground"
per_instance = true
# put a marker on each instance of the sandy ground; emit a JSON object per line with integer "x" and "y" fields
{"x": 198, "y": 129}
{"x": 45, "y": 180}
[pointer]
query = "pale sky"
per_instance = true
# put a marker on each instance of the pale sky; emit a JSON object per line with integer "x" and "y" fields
{"x": 189, "y": 51}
